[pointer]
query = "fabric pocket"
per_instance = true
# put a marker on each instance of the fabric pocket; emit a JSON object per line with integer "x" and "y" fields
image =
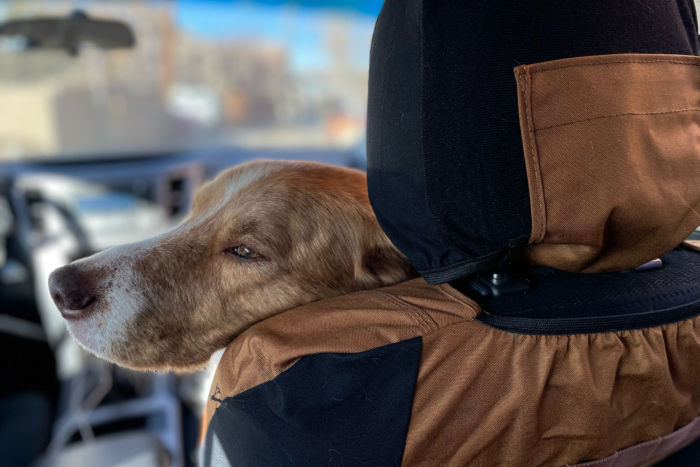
{"x": 612, "y": 154}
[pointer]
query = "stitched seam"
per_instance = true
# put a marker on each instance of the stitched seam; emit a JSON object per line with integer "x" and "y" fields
{"x": 263, "y": 365}
{"x": 617, "y": 115}
{"x": 454, "y": 295}
{"x": 432, "y": 325}
{"x": 678, "y": 62}
{"x": 425, "y": 322}
{"x": 415, "y": 318}
{"x": 526, "y": 91}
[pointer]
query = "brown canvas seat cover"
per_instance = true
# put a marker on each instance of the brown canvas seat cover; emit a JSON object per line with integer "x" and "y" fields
{"x": 611, "y": 151}
{"x": 486, "y": 397}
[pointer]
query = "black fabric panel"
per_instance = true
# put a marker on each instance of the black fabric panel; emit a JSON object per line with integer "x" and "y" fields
{"x": 446, "y": 169}
{"x": 568, "y": 303}
{"x": 329, "y": 409}
{"x": 393, "y": 122}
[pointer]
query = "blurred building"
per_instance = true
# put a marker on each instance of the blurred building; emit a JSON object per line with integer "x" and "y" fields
{"x": 176, "y": 89}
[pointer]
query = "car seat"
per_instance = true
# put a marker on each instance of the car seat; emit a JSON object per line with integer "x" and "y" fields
{"x": 538, "y": 163}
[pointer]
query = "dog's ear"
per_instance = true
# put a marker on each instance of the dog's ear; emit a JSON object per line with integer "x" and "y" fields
{"x": 382, "y": 266}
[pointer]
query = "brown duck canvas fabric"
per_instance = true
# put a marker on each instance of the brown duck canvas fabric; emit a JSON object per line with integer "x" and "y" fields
{"x": 611, "y": 147}
{"x": 486, "y": 397}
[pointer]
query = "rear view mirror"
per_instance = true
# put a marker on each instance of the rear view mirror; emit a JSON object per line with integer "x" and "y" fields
{"x": 68, "y": 33}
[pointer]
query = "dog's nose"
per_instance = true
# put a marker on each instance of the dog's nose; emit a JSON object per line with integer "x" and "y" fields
{"x": 69, "y": 292}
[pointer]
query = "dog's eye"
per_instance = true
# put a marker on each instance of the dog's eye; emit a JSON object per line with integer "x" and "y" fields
{"x": 244, "y": 252}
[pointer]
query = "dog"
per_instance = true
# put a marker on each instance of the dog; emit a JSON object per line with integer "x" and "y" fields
{"x": 261, "y": 238}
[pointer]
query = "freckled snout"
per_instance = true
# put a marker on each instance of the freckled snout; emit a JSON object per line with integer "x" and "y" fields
{"x": 69, "y": 292}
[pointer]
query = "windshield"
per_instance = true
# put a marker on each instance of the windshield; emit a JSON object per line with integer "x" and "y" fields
{"x": 201, "y": 74}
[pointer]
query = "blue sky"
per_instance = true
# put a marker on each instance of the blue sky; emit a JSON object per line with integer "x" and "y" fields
{"x": 299, "y": 26}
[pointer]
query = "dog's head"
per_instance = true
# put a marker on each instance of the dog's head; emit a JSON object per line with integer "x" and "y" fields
{"x": 262, "y": 238}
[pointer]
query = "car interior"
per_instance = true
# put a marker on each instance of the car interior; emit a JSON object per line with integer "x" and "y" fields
{"x": 112, "y": 114}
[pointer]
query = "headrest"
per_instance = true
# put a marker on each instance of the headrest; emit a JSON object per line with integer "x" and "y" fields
{"x": 567, "y": 131}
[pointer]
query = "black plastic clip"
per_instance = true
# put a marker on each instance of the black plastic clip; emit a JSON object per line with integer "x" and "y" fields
{"x": 506, "y": 279}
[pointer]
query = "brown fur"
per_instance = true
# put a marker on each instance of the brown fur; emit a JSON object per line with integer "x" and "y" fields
{"x": 312, "y": 222}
